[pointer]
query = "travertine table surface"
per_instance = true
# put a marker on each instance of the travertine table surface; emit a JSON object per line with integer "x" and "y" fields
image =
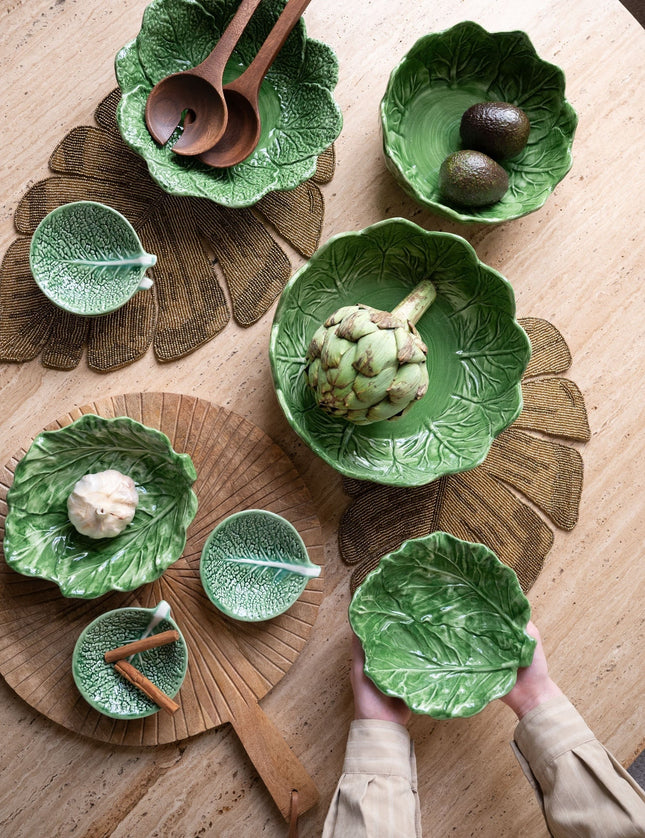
{"x": 577, "y": 263}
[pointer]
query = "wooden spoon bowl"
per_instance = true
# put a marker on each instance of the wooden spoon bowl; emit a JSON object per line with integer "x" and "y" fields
{"x": 197, "y": 93}
{"x": 242, "y": 95}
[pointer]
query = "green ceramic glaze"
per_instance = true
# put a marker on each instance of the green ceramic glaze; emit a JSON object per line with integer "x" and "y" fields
{"x": 87, "y": 258}
{"x": 39, "y": 538}
{"x": 103, "y": 687}
{"x": 443, "y": 624}
{"x": 254, "y": 565}
{"x": 442, "y": 76}
{"x": 477, "y": 352}
{"x": 299, "y": 116}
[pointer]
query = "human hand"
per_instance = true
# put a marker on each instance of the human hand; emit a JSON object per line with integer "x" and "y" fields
{"x": 533, "y": 685}
{"x": 369, "y": 701}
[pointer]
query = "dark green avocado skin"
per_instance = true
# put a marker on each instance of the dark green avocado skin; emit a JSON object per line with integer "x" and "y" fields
{"x": 472, "y": 179}
{"x": 499, "y": 129}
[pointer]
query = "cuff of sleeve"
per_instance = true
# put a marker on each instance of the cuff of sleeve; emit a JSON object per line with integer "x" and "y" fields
{"x": 378, "y": 747}
{"x": 549, "y": 730}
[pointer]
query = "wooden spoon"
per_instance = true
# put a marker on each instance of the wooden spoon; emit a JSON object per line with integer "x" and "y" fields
{"x": 243, "y": 126}
{"x": 197, "y": 91}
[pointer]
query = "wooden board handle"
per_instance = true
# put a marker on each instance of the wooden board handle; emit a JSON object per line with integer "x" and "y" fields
{"x": 273, "y": 759}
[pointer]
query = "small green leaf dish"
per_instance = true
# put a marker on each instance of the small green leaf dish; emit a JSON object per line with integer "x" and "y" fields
{"x": 87, "y": 258}
{"x": 39, "y": 538}
{"x": 477, "y": 352}
{"x": 300, "y": 118}
{"x": 102, "y": 686}
{"x": 443, "y": 625}
{"x": 441, "y": 77}
{"x": 254, "y": 565}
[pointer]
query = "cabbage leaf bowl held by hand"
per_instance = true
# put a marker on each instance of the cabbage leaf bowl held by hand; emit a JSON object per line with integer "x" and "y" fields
{"x": 442, "y": 75}
{"x": 299, "y": 116}
{"x": 443, "y": 625}
{"x": 477, "y": 352}
{"x": 41, "y": 541}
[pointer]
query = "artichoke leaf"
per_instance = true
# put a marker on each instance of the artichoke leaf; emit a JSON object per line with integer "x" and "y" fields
{"x": 333, "y": 349}
{"x": 357, "y": 324}
{"x": 375, "y": 352}
{"x": 406, "y": 384}
{"x": 335, "y": 318}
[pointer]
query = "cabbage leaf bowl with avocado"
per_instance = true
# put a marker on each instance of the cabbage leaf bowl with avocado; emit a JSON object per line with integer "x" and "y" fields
{"x": 443, "y": 75}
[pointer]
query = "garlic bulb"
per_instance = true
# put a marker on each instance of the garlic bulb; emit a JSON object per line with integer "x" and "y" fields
{"x": 102, "y": 505}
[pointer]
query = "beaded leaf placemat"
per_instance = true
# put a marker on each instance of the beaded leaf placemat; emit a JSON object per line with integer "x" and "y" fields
{"x": 528, "y": 483}
{"x": 193, "y": 239}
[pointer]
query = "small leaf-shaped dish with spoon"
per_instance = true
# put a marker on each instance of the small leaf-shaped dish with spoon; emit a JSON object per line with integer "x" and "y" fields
{"x": 101, "y": 685}
{"x": 254, "y": 565}
{"x": 443, "y": 625}
{"x": 87, "y": 258}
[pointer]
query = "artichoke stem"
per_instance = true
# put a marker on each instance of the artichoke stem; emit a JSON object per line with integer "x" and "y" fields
{"x": 418, "y": 301}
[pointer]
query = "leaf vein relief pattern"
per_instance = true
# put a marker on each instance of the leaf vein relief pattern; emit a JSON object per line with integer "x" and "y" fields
{"x": 530, "y": 482}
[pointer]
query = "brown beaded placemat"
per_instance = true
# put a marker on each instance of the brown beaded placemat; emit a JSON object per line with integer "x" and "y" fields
{"x": 528, "y": 482}
{"x": 194, "y": 239}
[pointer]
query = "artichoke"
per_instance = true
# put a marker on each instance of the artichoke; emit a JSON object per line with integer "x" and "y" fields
{"x": 368, "y": 365}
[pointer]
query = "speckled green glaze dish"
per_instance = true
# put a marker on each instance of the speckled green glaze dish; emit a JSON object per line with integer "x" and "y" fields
{"x": 441, "y": 77}
{"x": 87, "y": 258}
{"x": 443, "y": 625}
{"x": 477, "y": 352}
{"x": 254, "y": 565}
{"x": 39, "y": 538}
{"x": 103, "y": 687}
{"x": 300, "y": 118}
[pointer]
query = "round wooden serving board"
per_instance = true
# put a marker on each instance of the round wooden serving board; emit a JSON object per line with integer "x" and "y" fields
{"x": 232, "y": 665}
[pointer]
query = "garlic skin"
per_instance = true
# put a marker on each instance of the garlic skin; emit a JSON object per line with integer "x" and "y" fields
{"x": 102, "y": 505}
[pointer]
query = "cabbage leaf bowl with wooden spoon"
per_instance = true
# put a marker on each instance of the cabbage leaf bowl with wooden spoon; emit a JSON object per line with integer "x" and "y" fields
{"x": 298, "y": 113}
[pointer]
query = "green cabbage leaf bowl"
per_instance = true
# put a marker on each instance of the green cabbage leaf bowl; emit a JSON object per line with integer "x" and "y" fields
{"x": 477, "y": 352}
{"x": 101, "y": 685}
{"x": 254, "y": 565}
{"x": 441, "y": 77}
{"x": 443, "y": 625}
{"x": 300, "y": 118}
{"x": 39, "y": 538}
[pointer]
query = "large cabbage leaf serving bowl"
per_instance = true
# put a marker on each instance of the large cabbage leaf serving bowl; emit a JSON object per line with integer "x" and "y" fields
{"x": 442, "y": 75}
{"x": 477, "y": 352}
{"x": 41, "y": 541}
{"x": 443, "y": 625}
{"x": 300, "y": 118}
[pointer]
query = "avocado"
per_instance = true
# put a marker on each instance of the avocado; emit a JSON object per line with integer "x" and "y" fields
{"x": 497, "y": 128}
{"x": 472, "y": 179}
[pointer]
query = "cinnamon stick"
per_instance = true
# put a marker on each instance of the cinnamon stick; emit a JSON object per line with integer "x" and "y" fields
{"x": 161, "y": 639}
{"x": 139, "y": 680}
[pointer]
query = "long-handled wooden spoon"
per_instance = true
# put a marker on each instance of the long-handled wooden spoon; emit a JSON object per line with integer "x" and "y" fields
{"x": 243, "y": 126}
{"x": 197, "y": 91}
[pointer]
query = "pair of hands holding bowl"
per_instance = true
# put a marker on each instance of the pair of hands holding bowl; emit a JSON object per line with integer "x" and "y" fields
{"x": 533, "y": 686}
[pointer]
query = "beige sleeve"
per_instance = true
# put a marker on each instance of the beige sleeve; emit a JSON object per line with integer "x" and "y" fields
{"x": 376, "y": 796}
{"x": 583, "y": 790}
